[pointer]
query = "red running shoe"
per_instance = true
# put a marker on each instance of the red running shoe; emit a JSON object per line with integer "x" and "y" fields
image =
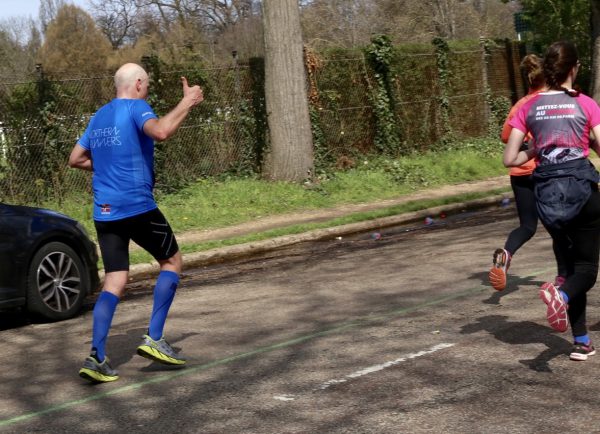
{"x": 557, "y": 308}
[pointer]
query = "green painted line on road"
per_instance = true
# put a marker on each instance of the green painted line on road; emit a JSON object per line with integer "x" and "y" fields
{"x": 363, "y": 321}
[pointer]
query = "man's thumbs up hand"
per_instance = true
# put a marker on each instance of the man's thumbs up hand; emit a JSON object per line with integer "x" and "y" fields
{"x": 193, "y": 94}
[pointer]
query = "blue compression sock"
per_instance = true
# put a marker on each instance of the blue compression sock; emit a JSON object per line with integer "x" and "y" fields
{"x": 564, "y": 296}
{"x": 584, "y": 339}
{"x": 164, "y": 292}
{"x": 104, "y": 309}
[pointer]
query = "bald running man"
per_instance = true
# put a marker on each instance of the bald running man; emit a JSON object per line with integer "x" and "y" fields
{"x": 118, "y": 147}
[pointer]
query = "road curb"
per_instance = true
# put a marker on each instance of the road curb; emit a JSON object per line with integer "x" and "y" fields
{"x": 222, "y": 254}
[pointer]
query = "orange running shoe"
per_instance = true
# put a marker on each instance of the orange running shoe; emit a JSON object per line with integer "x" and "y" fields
{"x": 497, "y": 274}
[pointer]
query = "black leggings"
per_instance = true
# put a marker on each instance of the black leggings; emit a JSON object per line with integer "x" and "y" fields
{"x": 584, "y": 233}
{"x": 522, "y": 187}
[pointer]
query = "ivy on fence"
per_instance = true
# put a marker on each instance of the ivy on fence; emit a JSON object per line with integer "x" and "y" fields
{"x": 380, "y": 99}
{"x": 322, "y": 157}
{"x": 387, "y": 136}
{"x": 442, "y": 50}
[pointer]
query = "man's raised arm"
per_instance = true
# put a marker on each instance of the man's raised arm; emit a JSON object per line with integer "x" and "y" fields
{"x": 164, "y": 127}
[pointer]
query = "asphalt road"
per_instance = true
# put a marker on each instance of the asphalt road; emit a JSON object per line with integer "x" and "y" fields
{"x": 400, "y": 334}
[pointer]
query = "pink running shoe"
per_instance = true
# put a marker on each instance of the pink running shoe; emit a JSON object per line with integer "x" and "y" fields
{"x": 559, "y": 281}
{"x": 557, "y": 308}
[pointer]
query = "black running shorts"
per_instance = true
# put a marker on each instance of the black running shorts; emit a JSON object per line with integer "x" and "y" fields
{"x": 149, "y": 230}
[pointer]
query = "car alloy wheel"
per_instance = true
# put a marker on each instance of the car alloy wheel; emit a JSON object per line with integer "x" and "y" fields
{"x": 58, "y": 283}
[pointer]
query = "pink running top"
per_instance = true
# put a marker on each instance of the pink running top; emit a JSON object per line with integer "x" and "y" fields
{"x": 559, "y": 124}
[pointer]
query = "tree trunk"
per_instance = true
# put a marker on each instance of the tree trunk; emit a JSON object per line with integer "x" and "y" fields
{"x": 595, "y": 30}
{"x": 291, "y": 153}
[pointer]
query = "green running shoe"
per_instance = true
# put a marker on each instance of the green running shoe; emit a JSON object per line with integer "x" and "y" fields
{"x": 97, "y": 372}
{"x": 159, "y": 351}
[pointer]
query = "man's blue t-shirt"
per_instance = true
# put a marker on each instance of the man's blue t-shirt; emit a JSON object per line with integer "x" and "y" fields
{"x": 123, "y": 159}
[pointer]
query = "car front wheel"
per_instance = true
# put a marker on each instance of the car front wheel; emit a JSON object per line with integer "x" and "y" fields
{"x": 57, "y": 282}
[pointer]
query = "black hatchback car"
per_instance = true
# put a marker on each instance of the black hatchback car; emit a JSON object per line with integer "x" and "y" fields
{"x": 48, "y": 264}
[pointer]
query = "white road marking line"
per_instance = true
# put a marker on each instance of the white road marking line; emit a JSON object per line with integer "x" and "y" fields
{"x": 370, "y": 370}
{"x": 382, "y": 366}
{"x": 284, "y": 397}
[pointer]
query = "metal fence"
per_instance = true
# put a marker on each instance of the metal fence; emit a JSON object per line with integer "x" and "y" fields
{"x": 41, "y": 117}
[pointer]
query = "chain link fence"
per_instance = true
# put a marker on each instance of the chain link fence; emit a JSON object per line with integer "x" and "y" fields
{"x": 41, "y": 117}
{"x": 41, "y": 120}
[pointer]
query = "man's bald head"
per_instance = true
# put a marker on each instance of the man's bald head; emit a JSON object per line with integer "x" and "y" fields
{"x": 126, "y": 79}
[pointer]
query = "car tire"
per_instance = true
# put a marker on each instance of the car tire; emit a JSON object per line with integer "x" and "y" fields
{"x": 57, "y": 282}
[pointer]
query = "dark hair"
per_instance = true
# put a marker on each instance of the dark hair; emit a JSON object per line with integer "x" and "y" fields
{"x": 560, "y": 58}
{"x": 531, "y": 65}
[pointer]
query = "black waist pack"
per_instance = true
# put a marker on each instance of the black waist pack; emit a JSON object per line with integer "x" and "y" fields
{"x": 561, "y": 190}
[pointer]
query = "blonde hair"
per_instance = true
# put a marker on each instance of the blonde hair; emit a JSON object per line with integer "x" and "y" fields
{"x": 532, "y": 66}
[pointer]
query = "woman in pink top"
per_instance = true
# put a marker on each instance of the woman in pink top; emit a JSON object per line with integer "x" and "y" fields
{"x": 566, "y": 184}
{"x": 521, "y": 181}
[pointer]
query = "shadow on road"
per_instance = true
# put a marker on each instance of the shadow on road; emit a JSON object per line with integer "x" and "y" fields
{"x": 522, "y": 333}
{"x": 512, "y": 285}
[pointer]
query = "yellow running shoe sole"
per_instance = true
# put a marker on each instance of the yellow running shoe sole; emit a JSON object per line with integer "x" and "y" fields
{"x": 153, "y": 354}
{"x": 96, "y": 377}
